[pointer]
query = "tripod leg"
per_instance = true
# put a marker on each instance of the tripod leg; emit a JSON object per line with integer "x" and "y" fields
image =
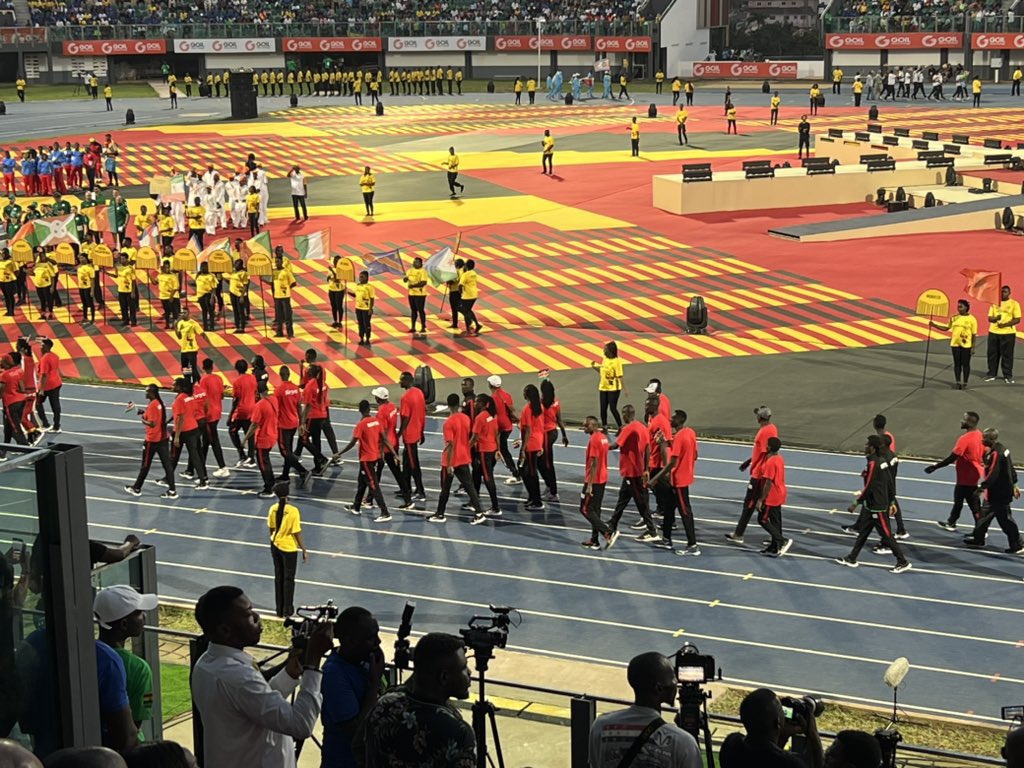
{"x": 493, "y": 717}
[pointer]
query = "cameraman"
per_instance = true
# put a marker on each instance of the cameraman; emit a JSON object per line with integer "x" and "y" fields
{"x": 638, "y": 735}
{"x": 767, "y": 734}
{"x": 351, "y": 686}
{"x": 248, "y": 721}
{"x": 854, "y": 749}
{"x": 1013, "y": 749}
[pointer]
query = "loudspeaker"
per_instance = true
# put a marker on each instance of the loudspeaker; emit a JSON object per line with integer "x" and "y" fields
{"x": 379, "y": 108}
{"x": 129, "y": 117}
{"x": 766, "y": 87}
{"x": 568, "y": 99}
{"x": 652, "y": 111}
{"x": 929, "y": 200}
{"x": 294, "y": 100}
{"x": 873, "y": 113}
{"x": 243, "y": 96}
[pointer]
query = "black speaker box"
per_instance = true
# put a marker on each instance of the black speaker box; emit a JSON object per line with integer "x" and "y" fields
{"x": 243, "y": 96}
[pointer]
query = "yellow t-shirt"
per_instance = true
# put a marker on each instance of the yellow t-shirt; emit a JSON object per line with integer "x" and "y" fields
{"x": 284, "y": 539}
{"x": 416, "y": 276}
{"x": 689, "y": 87}
{"x": 976, "y": 86}
{"x": 815, "y": 93}
{"x": 467, "y": 285}
{"x": 239, "y": 283}
{"x": 611, "y": 374}
{"x": 731, "y": 114}
{"x": 962, "y": 330}
{"x": 196, "y": 217}
{"x": 364, "y": 295}
{"x": 20, "y": 84}
{"x": 86, "y": 274}
{"x": 452, "y": 163}
{"x": 125, "y": 279}
{"x": 167, "y": 286}
{"x": 130, "y": 253}
{"x": 108, "y": 92}
{"x": 549, "y": 144}
{"x": 206, "y": 284}
{"x": 367, "y": 182}
{"x": 531, "y": 85}
{"x": 43, "y": 274}
{"x": 634, "y": 130}
{"x": 190, "y": 332}
{"x": 681, "y": 116}
{"x": 676, "y": 86}
{"x": 858, "y": 86}
{"x": 252, "y": 203}
{"x": 518, "y": 88}
{"x": 283, "y": 282}
{"x": 8, "y": 271}
{"x": 775, "y": 102}
{"x": 167, "y": 226}
{"x": 334, "y": 283}
{"x": 1003, "y": 312}
{"x": 142, "y": 223}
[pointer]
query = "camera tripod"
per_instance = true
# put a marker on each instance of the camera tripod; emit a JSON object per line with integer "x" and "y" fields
{"x": 693, "y": 717}
{"x": 484, "y": 712}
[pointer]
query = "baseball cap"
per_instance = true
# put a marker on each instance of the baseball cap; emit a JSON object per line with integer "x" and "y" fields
{"x": 380, "y": 392}
{"x": 115, "y": 603}
{"x": 494, "y": 381}
{"x": 651, "y": 388}
{"x": 763, "y": 412}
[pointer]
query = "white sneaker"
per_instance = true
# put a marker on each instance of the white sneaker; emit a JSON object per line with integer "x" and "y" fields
{"x": 222, "y": 472}
{"x": 513, "y": 481}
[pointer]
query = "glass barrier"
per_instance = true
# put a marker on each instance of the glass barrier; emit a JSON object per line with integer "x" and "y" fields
{"x": 855, "y": 23}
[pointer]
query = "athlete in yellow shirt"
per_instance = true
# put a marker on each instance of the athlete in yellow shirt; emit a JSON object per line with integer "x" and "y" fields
{"x": 368, "y": 185}
{"x": 206, "y": 284}
{"x": 196, "y": 216}
{"x": 452, "y": 164}
{"x": 1003, "y": 319}
{"x": 774, "y": 116}
{"x": 85, "y": 276}
{"x": 283, "y": 284}
{"x": 469, "y": 292}
{"x": 365, "y": 297}
{"x": 44, "y": 271}
{"x": 416, "y": 280}
{"x": 547, "y": 154}
{"x": 681, "y": 116}
{"x": 124, "y": 279}
{"x": 634, "y": 138}
{"x": 167, "y": 290}
{"x": 963, "y": 333}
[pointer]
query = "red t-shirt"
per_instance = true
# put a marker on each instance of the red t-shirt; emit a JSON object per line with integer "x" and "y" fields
{"x": 551, "y": 416}
{"x": 264, "y": 416}
{"x": 388, "y": 415}
{"x": 368, "y": 432}
{"x": 597, "y": 448}
{"x": 761, "y": 448}
{"x": 213, "y": 386}
{"x": 28, "y": 373}
{"x": 316, "y": 398}
{"x": 773, "y": 468}
{"x": 184, "y": 409}
{"x": 287, "y": 395}
{"x": 659, "y": 425}
{"x": 969, "y": 452}
{"x": 199, "y": 403}
{"x": 892, "y": 445}
{"x": 155, "y": 413}
{"x": 503, "y": 406}
{"x": 244, "y": 390}
{"x": 684, "y": 448}
{"x": 456, "y": 432}
{"x": 413, "y": 410}
{"x": 11, "y": 378}
{"x": 664, "y": 407}
{"x": 49, "y": 371}
{"x": 633, "y": 441}
{"x": 485, "y": 427}
{"x": 536, "y": 427}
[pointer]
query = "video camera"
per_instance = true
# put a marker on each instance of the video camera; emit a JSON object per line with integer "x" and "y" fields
{"x": 485, "y": 633}
{"x": 403, "y": 650}
{"x": 307, "y": 618}
{"x": 692, "y": 667}
{"x": 805, "y": 706}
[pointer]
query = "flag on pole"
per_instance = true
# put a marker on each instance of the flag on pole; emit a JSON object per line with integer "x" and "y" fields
{"x": 193, "y": 245}
{"x": 54, "y": 230}
{"x": 99, "y": 218}
{"x": 150, "y": 237}
{"x": 441, "y": 267}
{"x": 381, "y": 263}
{"x": 224, "y": 244}
{"x": 315, "y": 245}
{"x": 983, "y": 285}
{"x": 256, "y": 245}
{"x": 26, "y": 232}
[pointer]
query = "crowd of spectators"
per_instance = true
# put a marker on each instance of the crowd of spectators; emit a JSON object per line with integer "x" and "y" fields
{"x": 913, "y": 15}
{"x": 459, "y": 16}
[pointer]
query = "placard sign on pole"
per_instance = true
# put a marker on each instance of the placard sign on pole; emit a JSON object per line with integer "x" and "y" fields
{"x": 929, "y": 304}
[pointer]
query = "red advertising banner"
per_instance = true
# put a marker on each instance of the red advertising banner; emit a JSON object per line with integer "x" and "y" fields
{"x": 332, "y": 44}
{"x": 619, "y": 44}
{"x": 753, "y": 70}
{"x": 894, "y": 41}
{"x": 114, "y": 47}
{"x": 996, "y": 42}
{"x": 512, "y": 43}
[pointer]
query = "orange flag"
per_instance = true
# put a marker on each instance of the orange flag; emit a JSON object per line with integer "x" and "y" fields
{"x": 983, "y": 285}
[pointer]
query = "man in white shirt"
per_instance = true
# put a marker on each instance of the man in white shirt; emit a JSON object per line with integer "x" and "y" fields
{"x": 661, "y": 745}
{"x": 248, "y": 722}
{"x": 299, "y": 191}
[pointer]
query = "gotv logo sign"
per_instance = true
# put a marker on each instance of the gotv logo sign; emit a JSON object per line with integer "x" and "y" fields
{"x": 227, "y": 45}
{"x": 506, "y": 43}
{"x": 640, "y": 44}
{"x": 427, "y": 44}
{"x": 902, "y": 41}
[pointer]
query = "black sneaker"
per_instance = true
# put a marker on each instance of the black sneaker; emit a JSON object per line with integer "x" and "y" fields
{"x": 946, "y": 525}
{"x": 435, "y": 518}
{"x": 734, "y": 538}
{"x": 407, "y": 506}
{"x": 132, "y": 490}
{"x": 770, "y": 551}
{"x": 848, "y": 562}
{"x": 590, "y": 544}
{"x": 266, "y": 494}
{"x": 383, "y": 517}
{"x": 878, "y": 549}
{"x": 204, "y": 484}
{"x": 639, "y": 525}
{"x": 169, "y": 494}
{"x": 901, "y": 567}
{"x": 785, "y": 547}
{"x": 849, "y": 529}
{"x": 970, "y": 541}
{"x": 610, "y": 539}
{"x": 1017, "y": 550}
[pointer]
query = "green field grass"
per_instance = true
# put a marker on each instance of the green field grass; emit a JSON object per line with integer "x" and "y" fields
{"x": 67, "y": 92}
{"x": 175, "y": 695}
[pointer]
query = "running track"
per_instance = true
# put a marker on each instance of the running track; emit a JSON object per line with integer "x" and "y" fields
{"x": 801, "y": 623}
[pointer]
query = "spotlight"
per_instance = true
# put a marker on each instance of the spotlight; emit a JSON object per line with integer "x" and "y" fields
{"x": 697, "y": 316}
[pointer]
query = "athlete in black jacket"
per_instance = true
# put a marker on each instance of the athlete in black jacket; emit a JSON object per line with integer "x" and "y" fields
{"x": 999, "y": 484}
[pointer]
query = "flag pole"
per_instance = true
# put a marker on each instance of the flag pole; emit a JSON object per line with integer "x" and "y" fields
{"x": 263, "y": 301}
{"x": 927, "y": 348}
{"x": 149, "y": 290}
{"x": 344, "y": 315}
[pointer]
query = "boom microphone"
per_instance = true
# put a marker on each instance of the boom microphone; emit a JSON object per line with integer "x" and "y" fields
{"x": 894, "y": 675}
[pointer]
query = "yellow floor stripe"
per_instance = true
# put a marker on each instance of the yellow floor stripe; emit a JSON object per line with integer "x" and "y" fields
{"x": 565, "y": 248}
{"x": 769, "y": 336}
{"x": 836, "y": 331}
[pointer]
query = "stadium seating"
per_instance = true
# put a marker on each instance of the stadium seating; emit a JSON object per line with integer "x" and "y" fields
{"x": 917, "y": 15}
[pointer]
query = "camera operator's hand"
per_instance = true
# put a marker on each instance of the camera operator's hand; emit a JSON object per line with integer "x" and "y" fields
{"x": 807, "y": 727}
{"x": 319, "y": 643}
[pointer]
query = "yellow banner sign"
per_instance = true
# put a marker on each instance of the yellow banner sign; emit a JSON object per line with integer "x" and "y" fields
{"x": 147, "y": 258}
{"x": 345, "y": 270}
{"x": 259, "y": 265}
{"x": 64, "y": 254}
{"x": 21, "y": 251}
{"x": 933, "y": 303}
{"x": 184, "y": 261}
{"x": 219, "y": 261}
{"x": 102, "y": 256}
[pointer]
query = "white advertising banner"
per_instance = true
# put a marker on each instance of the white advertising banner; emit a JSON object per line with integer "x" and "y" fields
{"x": 226, "y": 45}
{"x": 432, "y": 44}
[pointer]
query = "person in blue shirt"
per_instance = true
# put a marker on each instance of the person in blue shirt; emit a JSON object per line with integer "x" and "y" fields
{"x": 351, "y": 685}
{"x": 110, "y": 166}
{"x": 28, "y": 173}
{"x": 77, "y": 163}
{"x": 9, "y": 165}
{"x": 45, "y": 171}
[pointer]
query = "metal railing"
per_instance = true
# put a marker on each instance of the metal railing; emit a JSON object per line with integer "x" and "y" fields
{"x": 868, "y": 23}
{"x": 164, "y": 29}
{"x": 908, "y": 753}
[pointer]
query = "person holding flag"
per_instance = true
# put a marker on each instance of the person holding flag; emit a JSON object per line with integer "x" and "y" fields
{"x": 365, "y": 297}
{"x": 468, "y": 294}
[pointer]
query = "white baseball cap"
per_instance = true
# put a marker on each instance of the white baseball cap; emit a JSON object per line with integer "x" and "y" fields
{"x": 380, "y": 392}
{"x": 494, "y": 381}
{"x": 115, "y": 603}
{"x": 651, "y": 388}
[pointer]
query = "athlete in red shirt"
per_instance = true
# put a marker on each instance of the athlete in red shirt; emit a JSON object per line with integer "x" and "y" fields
{"x": 967, "y": 455}
{"x": 531, "y": 446}
{"x": 25, "y": 358}
{"x": 634, "y": 445}
{"x": 595, "y": 478}
{"x": 773, "y": 496}
{"x": 659, "y": 430}
{"x": 14, "y": 400}
{"x": 313, "y": 416}
{"x": 243, "y": 390}
{"x": 387, "y": 414}
{"x": 327, "y": 428}
{"x": 552, "y": 424}
{"x": 653, "y": 389}
{"x": 263, "y": 430}
{"x": 413, "y": 410}
{"x": 288, "y": 395}
{"x": 186, "y": 431}
{"x": 506, "y": 418}
{"x": 154, "y": 419}
{"x": 369, "y": 433}
{"x": 766, "y": 429}
{"x": 678, "y": 472}
{"x": 455, "y": 462}
{"x": 483, "y": 442}
{"x": 49, "y": 386}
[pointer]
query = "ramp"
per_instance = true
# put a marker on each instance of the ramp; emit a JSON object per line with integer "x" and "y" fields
{"x": 961, "y": 217}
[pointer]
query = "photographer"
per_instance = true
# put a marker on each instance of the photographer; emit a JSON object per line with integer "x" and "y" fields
{"x": 351, "y": 685}
{"x": 768, "y": 730}
{"x": 1013, "y": 749}
{"x": 247, "y": 720}
{"x": 417, "y": 724}
{"x": 854, "y": 749}
{"x": 638, "y": 735}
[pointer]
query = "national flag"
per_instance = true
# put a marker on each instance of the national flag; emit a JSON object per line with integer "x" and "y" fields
{"x": 259, "y": 245}
{"x": 26, "y": 232}
{"x": 315, "y": 245}
{"x": 441, "y": 267}
{"x": 983, "y": 285}
{"x": 382, "y": 263}
{"x": 100, "y": 218}
{"x": 193, "y": 245}
{"x": 224, "y": 244}
{"x": 53, "y": 230}
{"x": 150, "y": 237}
